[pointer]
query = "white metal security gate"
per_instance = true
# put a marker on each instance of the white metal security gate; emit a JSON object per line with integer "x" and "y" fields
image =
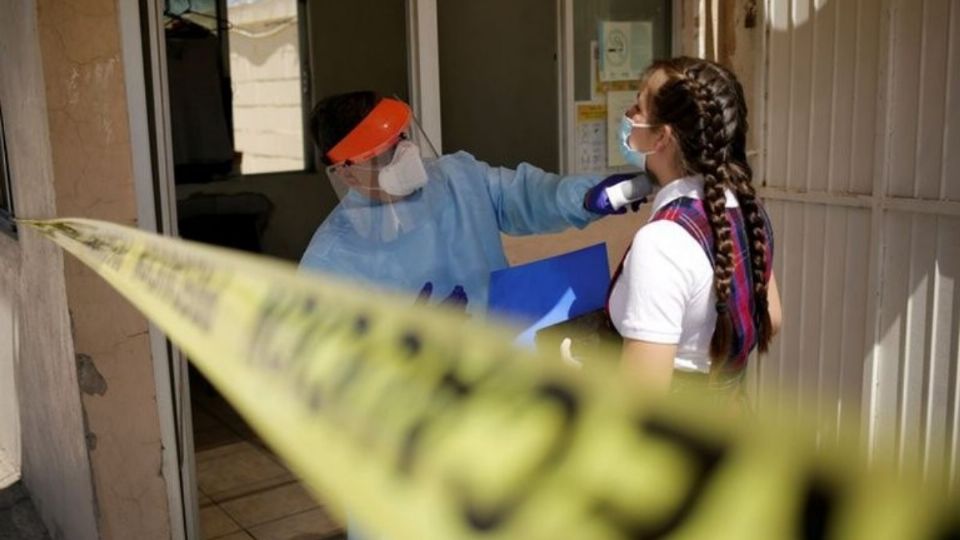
{"x": 861, "y": 169}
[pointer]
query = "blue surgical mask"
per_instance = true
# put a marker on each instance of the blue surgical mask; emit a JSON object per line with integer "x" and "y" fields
{"x": 633, "y": 157}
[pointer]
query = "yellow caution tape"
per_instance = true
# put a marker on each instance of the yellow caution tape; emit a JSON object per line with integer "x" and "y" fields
{"x": 428, "y": 425}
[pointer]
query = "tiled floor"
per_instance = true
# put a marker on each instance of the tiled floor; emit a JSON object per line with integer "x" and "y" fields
{"x": 245, "y": 491}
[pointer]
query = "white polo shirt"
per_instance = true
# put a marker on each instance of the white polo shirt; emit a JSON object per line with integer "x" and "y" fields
{"x": 665, "y": 292}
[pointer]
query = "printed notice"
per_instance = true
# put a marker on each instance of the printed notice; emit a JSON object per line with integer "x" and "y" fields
{"x": 626, "y": 49}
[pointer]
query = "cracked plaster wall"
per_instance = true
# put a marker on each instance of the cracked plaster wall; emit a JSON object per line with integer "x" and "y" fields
{"x": 91, "y": 454}
{"x": 55, "y": 461}
{"x": 89, "y": 135}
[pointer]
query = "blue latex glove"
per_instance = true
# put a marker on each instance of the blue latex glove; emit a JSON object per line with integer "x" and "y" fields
{"x": 457, "y": 299}
{"x": 596, "y": 199}
{"x": 425, "y": 293}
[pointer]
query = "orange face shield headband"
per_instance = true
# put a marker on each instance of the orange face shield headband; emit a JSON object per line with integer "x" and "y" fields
{"x": 377, "y": 132}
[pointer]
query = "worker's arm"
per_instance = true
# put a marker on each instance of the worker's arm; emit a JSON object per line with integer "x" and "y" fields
{"x": 529, "y": 200}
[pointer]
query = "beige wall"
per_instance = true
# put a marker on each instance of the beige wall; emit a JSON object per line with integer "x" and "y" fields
{"x": 89, "y": 136}
{"x": 56, "y": 466}
{"x": 90, "y": 432}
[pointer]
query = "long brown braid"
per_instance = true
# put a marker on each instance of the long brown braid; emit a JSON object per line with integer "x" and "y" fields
{"x": 704, "y": 104}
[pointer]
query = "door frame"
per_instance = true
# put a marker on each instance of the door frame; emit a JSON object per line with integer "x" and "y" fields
{"x": 423, "y": 67}
{"x": 148, "y": 101}
{"x": 144, "y": 61}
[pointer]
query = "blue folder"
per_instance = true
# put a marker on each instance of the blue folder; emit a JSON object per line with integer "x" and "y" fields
{"x": 550, "y": 291}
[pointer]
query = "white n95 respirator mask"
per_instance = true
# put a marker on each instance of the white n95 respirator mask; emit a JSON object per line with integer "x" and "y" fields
{"x": 405, "y": 173}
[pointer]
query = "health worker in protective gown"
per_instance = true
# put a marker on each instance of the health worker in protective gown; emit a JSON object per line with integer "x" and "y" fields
{"x": 415, "y": 222}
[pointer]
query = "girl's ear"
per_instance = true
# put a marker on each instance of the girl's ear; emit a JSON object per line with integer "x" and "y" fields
{"x": 666, "y": 135}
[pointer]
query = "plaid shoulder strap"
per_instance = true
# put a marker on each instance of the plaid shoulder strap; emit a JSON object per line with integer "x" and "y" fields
{"x": 684, "y": 212}
{"x": 690, "y": 214}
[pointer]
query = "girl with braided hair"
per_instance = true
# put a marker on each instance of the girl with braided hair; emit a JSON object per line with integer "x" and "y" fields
{"x": 695, "y": 293}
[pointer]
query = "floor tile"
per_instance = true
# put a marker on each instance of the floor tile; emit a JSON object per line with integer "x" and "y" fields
{"x": 244, "y": 466}
{"x": 310, "y": 525}
{"x": 269, "y": 505}
{"x": 241, "y": 535}
{"x": 253, "y": 488}
{"x": 215, "y": 522}
{"x": 245, "y": 490}
{"x": 214, "y": 437}
{"x": 221, "y": 451}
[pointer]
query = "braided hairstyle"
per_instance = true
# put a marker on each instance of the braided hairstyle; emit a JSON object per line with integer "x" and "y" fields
{"x": 703, "y": 103}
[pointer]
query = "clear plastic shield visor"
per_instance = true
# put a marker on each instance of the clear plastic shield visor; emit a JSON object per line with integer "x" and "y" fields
{"x": 396, "y": 172}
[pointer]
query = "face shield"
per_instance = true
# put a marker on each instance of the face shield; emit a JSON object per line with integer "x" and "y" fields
{"x": 382, "y": 158}
{"x": 379, "y": 170}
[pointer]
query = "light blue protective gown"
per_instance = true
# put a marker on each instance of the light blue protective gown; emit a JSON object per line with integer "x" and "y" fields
{"x": 449, "y": 230}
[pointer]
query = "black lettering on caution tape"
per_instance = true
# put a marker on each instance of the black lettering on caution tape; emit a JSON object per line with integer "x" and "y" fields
{"x": 706, "y": 457}
{"x": 488, "y": 519}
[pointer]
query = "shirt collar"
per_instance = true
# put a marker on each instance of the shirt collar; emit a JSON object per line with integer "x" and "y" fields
{"x": 687, "y": 186}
